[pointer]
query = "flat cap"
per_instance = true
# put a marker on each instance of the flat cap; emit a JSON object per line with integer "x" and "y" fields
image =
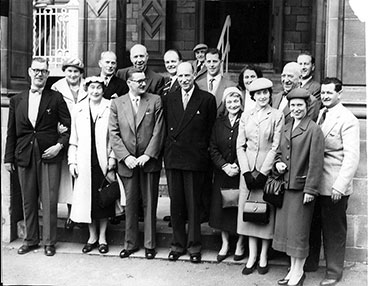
{"x": 298, "y": 93}
{"x": 73, "y": 62}
{"x": 259, "y": 84}
{"x": 200, "y": 47}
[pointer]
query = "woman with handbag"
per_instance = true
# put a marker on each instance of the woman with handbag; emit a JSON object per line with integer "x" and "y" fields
{"x": 91, "y": 159}
{"x": 225, "y": 193}
{"x": 258, "y": 140}
{"x": 300, "y": 159}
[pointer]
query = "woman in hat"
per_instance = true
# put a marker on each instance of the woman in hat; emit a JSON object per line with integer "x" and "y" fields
{"x": 226, "y": 169}
{"x": 258, "y": 140}
{"x": 71, "y": 87}
{"x": 90, "y": 159}
{"x": 300, "y": 160}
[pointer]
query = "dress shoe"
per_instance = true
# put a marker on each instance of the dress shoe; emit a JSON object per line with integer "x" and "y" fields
{"x": 262, "y": 269}
{"x": 150, "y": 253}
{"x": 88, "y": 247}
{"x": 49, "y": 250}
{"x": 221, "y": 257}
{"x": 69, "y": 224}
{"x": 27, "y": 248}
{"x": 174, "y": 255}
{"x": 103, "y": 248}
{"x": 126, "y": 253}
{"x": 283, "y": 281}
{"x": 239, "y": 257}
{"x": 300, "y": 282}
{"x": 167, "y": 218}
{"x": 247, "y": 271}
{"x": 195, "y": 257}
{"x": 329, "y": 282}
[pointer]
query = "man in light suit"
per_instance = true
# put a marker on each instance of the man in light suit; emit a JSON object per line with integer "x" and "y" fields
{"x": 139, "y": 58}
{"x": 137, "y": 134}
{"x": 189, "y": 115}
{"x": 214, "y": 82}
{"x": 172, "y": 58}
{"x": 307, "y": 64}
{"x": 36, "y": 148}
{"x": 290, "y": 79}
{"x": 341, "y": 158}
{"x": 198, "y": 64}
{"x": 114, "y": 86}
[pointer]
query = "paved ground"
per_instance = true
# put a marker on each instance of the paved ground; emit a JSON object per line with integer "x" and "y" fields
{"x": 70, "y": 267}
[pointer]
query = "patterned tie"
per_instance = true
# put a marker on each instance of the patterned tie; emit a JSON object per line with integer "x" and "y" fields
{"x": 167, "y": 87}
{"x": 210, "y": 85}
{"x": 323, "y": 117}
{"x": 199, "y": 67}
{"x": 185, "y": 101}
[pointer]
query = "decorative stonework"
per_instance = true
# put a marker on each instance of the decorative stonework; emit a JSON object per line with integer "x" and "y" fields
{"x": 97, "y": 6}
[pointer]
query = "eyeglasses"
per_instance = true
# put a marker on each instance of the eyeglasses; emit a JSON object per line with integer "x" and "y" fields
{"x": 38, "y": 71}
{"x": 139, "y": 81}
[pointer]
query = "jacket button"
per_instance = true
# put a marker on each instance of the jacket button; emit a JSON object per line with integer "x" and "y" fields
{"x": 31, "y": 142}
{"x": 171, "y": 129}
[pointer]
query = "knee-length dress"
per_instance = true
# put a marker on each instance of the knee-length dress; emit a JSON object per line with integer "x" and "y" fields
{"x": 222, "y": 151}
{"x": 258, "y": 140}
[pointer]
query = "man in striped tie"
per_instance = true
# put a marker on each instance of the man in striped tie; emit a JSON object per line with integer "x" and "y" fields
{"x": 172, "y": 59}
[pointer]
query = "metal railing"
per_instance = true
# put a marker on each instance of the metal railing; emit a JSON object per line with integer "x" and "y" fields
{"x": 224, "y": 44}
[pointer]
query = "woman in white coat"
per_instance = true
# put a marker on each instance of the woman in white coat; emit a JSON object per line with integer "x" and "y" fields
{"x": 72, "y": 88}
{"x": 90, "y": 158}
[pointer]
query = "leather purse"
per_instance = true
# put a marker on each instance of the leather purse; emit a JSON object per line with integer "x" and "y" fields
{"x": 256, "y": 212}
{"x": 274, "y": 190}
{"x": 230, "y": 198}
{"x": 108, "y": 193}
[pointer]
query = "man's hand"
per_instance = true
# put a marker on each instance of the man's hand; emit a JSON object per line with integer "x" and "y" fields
{"x": 281, "y": 167}
{"x": 142, "y": 160}
{"x": 131, "y": 162}
{"x": 62, "y": 128}
{"x": 9, "y": 167}
{"x": 307, "y": 198}
{"x": 73, "y": 170}
{"x": 52, "y": 151}
{"x": 335, "y": 196}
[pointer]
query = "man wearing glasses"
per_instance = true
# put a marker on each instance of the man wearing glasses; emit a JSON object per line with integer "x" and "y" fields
{"x": 136, "y": 135}
{"x": 35, "y": 147}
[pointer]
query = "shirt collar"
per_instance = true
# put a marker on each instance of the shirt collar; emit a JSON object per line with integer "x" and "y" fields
{"x": 133, "y": 97}
{"x": 304, "y": 81}
{"x": 190, "y": 92}
{"x": 217, "y": 77}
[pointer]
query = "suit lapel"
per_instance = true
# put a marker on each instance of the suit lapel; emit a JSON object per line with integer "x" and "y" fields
{"x": 23, "y": 106}
{"x": 300, "y": 129}
{"x": 127, "y": 110}
{"x": 220, "y": 92}
{"x": 328, "y": 125}
{"x": 148, "y": 78}
{"x": 45, "y": 99}
{"x": 141, "y": 110}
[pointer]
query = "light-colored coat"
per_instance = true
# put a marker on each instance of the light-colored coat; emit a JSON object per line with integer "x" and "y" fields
{"x": 66, "y": 186}
{"x": 80, "y": 153}
{"x": 341, "y": 157}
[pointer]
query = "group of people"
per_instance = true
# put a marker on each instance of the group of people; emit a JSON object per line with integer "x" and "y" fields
{"x": 210, "y": 134}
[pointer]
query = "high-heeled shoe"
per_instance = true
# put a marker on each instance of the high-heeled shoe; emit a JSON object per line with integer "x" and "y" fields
{"x": 300, "y": 282}
{"x": 239, "y": 257}
{"x": 247, "y": 271}
{"x": 262, "y": 269}
{"x": 221, "y": 257}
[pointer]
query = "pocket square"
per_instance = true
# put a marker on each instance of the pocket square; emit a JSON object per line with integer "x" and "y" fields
{"x": 48, "y": 111}
{"x": 198, "y": 112}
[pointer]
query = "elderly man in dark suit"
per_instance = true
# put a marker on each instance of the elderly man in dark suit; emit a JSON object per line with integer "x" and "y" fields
{"x": 139, "y": 58}
{"x": 136, "y": 135}
{"x": 189, "y": 114}
{"x": 36, "y": 148}
{"x": 114, "y": 86}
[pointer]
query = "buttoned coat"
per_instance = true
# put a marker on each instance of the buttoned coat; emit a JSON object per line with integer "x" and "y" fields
{"x": 174, "y": 87}
{"x": 223, "y": 84}
{"x": 80, "y": 153}
{"x": 342, "y": 146}
{"x": 302, "y": 150}
{"x": 154, "y": 81}
{"x": 188, "y": 131}
{"x": 137, "y": 136}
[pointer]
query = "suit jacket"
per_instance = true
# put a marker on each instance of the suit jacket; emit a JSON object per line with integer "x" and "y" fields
{"x": 302, "y": 150}
{"x": 137, "y": 136}
{"x": 313, "y": 108}
{"x": 174, "y": 87}
{"x": 224, "y": 83}
{"x": 21, "y": 134}
{"x": 342, "y": 147}
{"x": 116, "y": 85}
{"x": 203, "y": 71}
{"x": 188, "y": 131}
{"x": 154, "y": 84}
{"x": 314, "y": 87}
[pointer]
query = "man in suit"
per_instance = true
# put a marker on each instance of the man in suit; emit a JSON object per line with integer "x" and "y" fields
{"x": 36, "y": 148}
{"x": 114, "y": 86}
{"x": 198, "y": 64}
{"x": 189, "y": 114}
{"x": 290, "y": 79}
{"x": 307, "y": 64}
{"x": 172, "y": 58}
{"x": 214, "y": 82}
{"x": 139, "y": 58}
{"x": 341, "y": 158}
{"x": 137, "y": 134}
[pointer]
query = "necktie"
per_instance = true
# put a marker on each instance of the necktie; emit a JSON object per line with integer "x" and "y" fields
{"x": 167, "y": 87}
{"x": 323, "y": 117}
{"x": 185, "y": 101}
{"x": 210, "y": 85}
{"x": 106, "y": 80}
{"x": 135, "y": 105}
{"x": 199, "y": 67}
{"x": 36, "y": 90}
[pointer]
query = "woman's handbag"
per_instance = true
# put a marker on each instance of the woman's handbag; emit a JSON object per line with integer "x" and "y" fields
{"x": 230, "y": 198}
{"x": 273, "y": 191}
{"x": 257, "y": 212}
{"x": 108, "y": 193}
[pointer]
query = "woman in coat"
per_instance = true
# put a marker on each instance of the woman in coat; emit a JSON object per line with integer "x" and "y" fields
{"x": 71, "y": 87}
{"x": 258, "y": 140}
{"x": 226, "y": 171}
{"x": 300, "y": 159}
{"x": 90, "y": 158}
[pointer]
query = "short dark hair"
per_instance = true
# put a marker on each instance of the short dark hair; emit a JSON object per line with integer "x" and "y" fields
{"x": 251, "y": 67}
{"x": 132, "y": 71}
{"x": 41, "y": 60}
{"x": 177, "y": 52}
{"x": 214, "y": 51}
{"x": 307, "y": 53}
{"x": 335, "y": 81}
{"x": 252, "y": 93}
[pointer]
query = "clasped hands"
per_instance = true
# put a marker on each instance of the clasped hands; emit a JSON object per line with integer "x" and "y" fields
{"x": 133, "y": 162}
{"x": 231, "y": 169}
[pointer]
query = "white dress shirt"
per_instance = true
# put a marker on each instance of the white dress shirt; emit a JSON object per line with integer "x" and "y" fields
{"x": 33, "y": 106}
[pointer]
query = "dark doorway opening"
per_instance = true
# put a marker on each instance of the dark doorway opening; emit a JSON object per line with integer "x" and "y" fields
{"x": 249, "y": 32}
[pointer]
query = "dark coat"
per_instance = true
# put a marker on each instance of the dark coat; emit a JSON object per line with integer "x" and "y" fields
{"x": 174, "y": 87}
{"x": 21, "y": 134}
{"x": 116, "y": 85}
{"x": 302, "y": 151}
{"x": 188, "y": 131}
